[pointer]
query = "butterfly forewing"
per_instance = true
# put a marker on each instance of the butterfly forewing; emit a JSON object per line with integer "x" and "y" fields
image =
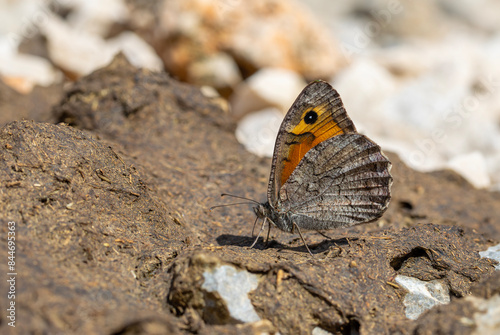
{"x": 316, "y": 116}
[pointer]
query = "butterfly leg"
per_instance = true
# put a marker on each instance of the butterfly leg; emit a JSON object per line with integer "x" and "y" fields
{"x": 302, "y": 237}
{"x": 254, "y": 224}
{"x": 323, "y": 234}
{"x": 260, "y": 232}
{"x": 268, "y": 232}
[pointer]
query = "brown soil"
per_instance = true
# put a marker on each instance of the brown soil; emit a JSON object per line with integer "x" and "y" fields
{"x": 112, "y": 212}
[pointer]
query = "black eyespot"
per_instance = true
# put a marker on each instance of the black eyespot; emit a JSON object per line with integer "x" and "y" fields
{"x": 311, "y": 117}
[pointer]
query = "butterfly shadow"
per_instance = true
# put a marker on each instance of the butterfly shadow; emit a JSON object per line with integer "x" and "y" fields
{"x": 246, "y": 241}
{"x": 316, "y": 248}
{"x": 329, "y": 243}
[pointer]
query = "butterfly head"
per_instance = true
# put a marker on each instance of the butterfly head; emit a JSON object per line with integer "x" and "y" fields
{"x": 263, "y": 210}
{"x": 280, "y": 220}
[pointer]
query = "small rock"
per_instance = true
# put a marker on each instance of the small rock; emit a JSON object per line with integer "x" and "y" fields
{"x": 426, "y": 100}
{"x": 269, "y": 87}
{"x": 81, "y": 52}
{"x": 18, "y": 21}
{"x": 493, "y": 161}
{"x": 408, "y": 19}
{"x": 138, "y": 52}
{"x": 365, "y": 87}
{"x": 257, "y": 34}
{"x": 262, "y": 327}
{"x": 428, "y": 104}
{"x": 77, "y": 52}
{"x": 422, "y": 295}
{"x": 320, "y": 331}
{"x": 487, "y": 319}
{"x": 95, "y": 16}
{"x": 481, "y": 14}
{"x": 22, "y": 72}
{"x": 489, "y": 67}
{"x": 257, "y": 131}
{"x": 493, "y": 253}
{"x": 472, "y": 167}
{"x": 213, "y": 95}
{"x": 218, "y": 70}
{"x": 233, "y": 287}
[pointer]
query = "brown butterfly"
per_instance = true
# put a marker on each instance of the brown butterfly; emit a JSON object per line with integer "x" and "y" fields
{"x": 324, "y": 174}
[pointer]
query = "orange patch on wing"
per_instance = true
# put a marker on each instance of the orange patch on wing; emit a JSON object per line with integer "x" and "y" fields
{"x": 308, "y": 136}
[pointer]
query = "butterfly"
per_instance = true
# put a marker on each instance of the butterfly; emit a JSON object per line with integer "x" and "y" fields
{"x": 324, "y": 174}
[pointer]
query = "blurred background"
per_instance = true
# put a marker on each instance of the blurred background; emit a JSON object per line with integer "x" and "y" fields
{"x": 421, "y": 78}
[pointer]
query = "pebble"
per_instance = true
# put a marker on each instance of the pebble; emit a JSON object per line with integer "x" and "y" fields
{"x": 422, "y": 295}
{"x": 320, "y": 331}
{"x": 482, "y": 14}
{"x": 443, "y": 105}
{"x": 218, "y": 70}
{"x": 77, "y": 52}
{"x": 232, "y": 286}
{"x": 22, "y": 72}
{"x": 257, "y": 131}
{"x": 269, "y": 87}
{"x": 138, "y": 52}
{"x": 472, "y": 167}
{"x": 95, "y": 16}
{"x": 81, "y": 52}
{"x": 492, "y": 252}
{"x": 487, "y": 317}
{"x": 286, "y": 33}
{"x": 364, "y": 87}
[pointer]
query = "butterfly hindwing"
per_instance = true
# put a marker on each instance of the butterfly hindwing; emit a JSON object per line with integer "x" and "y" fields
{"x": 341, "y": 182}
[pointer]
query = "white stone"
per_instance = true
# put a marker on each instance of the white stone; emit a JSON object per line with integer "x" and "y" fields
{"x": 138, "y": 52}
{"x": 429, "y": 103}
{"x": 493, "y": 161}
{"x": 96, "y": 16}
{"x": 269, "y": 87}
{"x": 233, "y": 287}
{"x": 493, "y": 253}
{"x": 82, "y": 53}
{"x": 479, "y": 13}
{"x": 422, "y": 295}
{"x": 75, "y": 51}
{"x": 488, "y": 67}
{"x": 18, "y": 21}
{"x": 364, "y": 88}
{"x": 209, "y": 92}
{"x": 219, "y": 70}
{"x": 320, "y": 331}
{"x": 425, "y": 100}
{"x": 33, "y": 70}
{"x": 257, "y": 131}
{"x": 487, "y": 319}
{"x": 472, "y": 167}
{"x": 406, "y": 61}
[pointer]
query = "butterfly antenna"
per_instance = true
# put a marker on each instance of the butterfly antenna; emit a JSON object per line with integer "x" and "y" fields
{"x": 237, "y": 196}
{"x": 233, "y": 204}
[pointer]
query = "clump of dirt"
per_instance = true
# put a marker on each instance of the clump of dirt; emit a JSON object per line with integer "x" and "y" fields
{"x": 350, "y": 287}
{"x": 111, "y": 210}
{"x": 88, "y": 227}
